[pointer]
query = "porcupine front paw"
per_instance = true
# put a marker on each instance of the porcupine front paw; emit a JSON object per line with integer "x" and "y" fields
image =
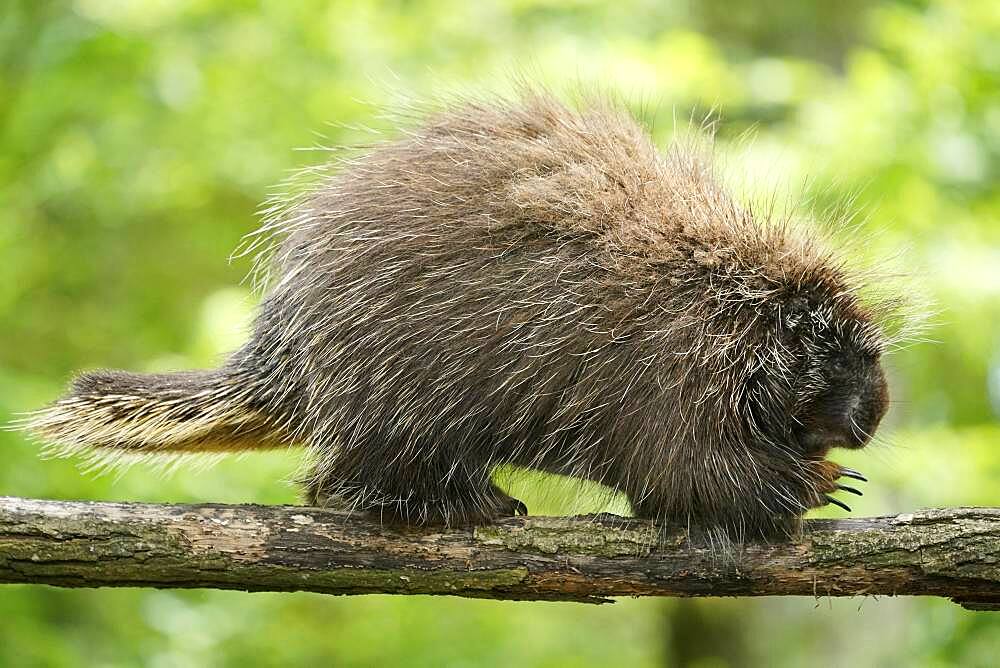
{"x": 824, "y": 477}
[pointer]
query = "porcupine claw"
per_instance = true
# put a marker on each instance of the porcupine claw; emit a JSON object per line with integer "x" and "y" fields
{"x": 830, "y": 499}
{"x": 851, "y": 473}
{"x": 847, "y": 473}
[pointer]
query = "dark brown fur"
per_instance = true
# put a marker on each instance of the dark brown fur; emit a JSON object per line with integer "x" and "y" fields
{"x": 525, "y": 284}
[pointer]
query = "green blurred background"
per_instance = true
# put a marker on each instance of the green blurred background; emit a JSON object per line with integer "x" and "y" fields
{"x": 138, "y": 138}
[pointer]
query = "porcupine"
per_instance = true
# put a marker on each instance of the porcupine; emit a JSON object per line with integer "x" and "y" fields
{"x": 531, "y": 284}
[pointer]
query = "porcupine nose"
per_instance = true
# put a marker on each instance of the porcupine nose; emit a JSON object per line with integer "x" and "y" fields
{"x": 867, "y": 407}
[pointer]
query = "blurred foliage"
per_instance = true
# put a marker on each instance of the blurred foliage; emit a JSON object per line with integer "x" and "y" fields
{"x": 138, "y": 137}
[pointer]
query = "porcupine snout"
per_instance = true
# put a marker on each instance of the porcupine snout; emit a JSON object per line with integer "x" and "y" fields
{"x": 849, "y": 412}
{"x": 867, "y": 407}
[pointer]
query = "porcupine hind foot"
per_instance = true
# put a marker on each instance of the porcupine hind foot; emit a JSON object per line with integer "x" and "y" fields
{"x": 396, "y": 502}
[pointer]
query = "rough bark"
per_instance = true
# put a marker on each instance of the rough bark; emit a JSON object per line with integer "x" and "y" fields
{"x": 947, "y": 552}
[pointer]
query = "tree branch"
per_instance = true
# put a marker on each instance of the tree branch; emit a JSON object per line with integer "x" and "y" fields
{"x": 948, "y": 552}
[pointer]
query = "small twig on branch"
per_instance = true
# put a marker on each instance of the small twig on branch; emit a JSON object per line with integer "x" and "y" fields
{"x": 949, "y": 552}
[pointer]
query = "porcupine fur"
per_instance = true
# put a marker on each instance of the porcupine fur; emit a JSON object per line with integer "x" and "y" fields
{"x": 524, "y": 283}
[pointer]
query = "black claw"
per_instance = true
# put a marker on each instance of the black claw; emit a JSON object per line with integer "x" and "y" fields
{"x": 851, "y": 490}
{"x": 519, "y": 507}
{"x": 836, "y": 502}
{"x": 851, "y": 473}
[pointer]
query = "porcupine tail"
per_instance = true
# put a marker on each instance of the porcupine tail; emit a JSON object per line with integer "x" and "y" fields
{"x": 110, "y": 417}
